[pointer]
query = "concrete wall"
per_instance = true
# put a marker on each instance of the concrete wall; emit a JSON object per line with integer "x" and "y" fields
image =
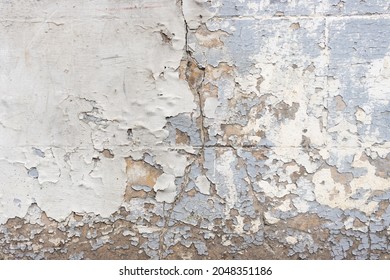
{"x": 194, "y": 129}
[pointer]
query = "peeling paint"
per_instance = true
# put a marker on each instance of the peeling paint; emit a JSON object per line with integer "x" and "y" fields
{"x": 195, "y": 129}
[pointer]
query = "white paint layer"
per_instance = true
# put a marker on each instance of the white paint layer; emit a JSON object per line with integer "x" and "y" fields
{"x": 74, "y": 81}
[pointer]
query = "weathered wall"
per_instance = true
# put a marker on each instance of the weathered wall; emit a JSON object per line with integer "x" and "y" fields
{"x": 194, "y": 129}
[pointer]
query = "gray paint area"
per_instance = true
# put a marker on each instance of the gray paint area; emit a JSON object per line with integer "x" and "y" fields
{"x": 357, "y": 59}
{"x": 298, "y": 7}
{"x": 195, "y": 129}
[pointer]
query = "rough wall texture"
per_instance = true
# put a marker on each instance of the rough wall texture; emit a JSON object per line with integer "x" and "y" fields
{"x": 194, "y": 129}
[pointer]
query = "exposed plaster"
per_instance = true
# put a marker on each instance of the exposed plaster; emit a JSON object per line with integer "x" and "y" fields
{"x": 194, "y": 129}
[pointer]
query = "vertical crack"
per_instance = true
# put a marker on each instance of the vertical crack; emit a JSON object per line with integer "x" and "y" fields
{"x": 369, "y": 238}
{"x": 198, "y": 90}
{"x": 195, "y": 77}
{"x": 185, "y": 182}
{"x": 194, "y": 80}
{"x": 185, "y": 26}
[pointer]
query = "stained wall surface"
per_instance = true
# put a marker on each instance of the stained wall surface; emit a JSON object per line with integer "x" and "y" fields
{"x": 194, "y": 129}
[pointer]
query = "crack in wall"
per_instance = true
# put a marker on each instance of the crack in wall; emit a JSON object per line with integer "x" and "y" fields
{"x": 250, "y": 165}
{"x": 167, "y": 221}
